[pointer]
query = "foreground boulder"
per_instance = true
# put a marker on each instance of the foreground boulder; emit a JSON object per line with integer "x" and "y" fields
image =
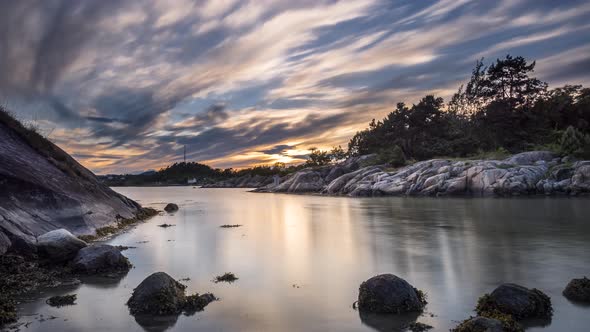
{"x": 480, "y": 324}
{"x": 59, "y": 245}
{"x": 171, "y": 207}
{"x": 516, "y": 301}
{"x": 387, "y": 293}
{"x": 578, "y": 290}
{"x": 158, "y": 294}
{"x": 100, "y": 258}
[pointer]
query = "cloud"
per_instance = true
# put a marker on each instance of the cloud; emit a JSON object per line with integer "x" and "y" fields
{"x": 123, "y": 85}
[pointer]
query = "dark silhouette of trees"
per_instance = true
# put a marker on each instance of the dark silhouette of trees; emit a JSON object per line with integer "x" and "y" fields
{"x": 501, "y": 108}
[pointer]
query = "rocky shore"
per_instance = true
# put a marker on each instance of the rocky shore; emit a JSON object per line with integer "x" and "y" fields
{"x": 528, "y": 173}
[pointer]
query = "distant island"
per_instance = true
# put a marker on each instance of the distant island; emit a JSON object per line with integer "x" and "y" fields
{"x": 502, "y": 111}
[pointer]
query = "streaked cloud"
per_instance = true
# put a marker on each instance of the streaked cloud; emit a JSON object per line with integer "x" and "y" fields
{"x": 124, "y": 85}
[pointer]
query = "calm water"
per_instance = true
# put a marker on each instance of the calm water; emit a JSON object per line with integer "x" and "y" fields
{"x": 300, "y": 259}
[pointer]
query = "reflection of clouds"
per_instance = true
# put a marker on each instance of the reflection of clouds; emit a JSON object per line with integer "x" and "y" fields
{"x": 454, "y": 249}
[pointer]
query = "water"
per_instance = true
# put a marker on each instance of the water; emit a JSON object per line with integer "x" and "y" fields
{"x": 300, "y": 259}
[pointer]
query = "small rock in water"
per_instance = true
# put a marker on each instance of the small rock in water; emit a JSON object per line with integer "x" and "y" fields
{"x": 388, "y": 293}
{"x": 516, "y": 301}
{"x": 230, "y": 226}
{"x": 59, "y": 301}
{"x": 578, "y": 290}
{"x": 481, "y": 324}
{"x": 165, "y": 225}
{"x": 226, "y": 277}
{"x": 171, "y": 207}
{"x": 158, "y": 294}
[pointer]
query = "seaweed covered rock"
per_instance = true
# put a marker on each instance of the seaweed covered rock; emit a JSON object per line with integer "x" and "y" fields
{"x": 171, "y": 207}
{"x": 516, "y": 301}
{"x": 387, "y": 293}
{"x": 578, "y": 290}
{"x": 59, "y": 245}
{"x": 7, "y": 310}
{"x": 198, "y": 302}
{"x": 60, "y": 301}
{"x": 158, "y": 294}
{"x": 100, "y": 258}
{"x": 480, "y": 324}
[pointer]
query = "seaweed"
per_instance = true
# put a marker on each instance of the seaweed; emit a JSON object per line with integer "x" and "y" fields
{"x": 226, "y": 277}
{"x": 60, "y": 301}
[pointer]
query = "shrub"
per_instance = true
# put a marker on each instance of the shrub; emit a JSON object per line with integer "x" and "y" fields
{"x": 393, "y": 156}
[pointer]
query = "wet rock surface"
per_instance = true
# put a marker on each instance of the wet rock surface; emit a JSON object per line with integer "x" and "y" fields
{"x": 388, "y": 293}
{"x": 171, "y": 207}
{"x": 59, "y": 245}
{"x": 578, "y": 290}
{"x": 516, "y": 301}
{"x": 100, "y": 258}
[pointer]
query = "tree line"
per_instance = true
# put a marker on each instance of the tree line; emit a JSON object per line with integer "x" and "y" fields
{"x": 501, "y": 110}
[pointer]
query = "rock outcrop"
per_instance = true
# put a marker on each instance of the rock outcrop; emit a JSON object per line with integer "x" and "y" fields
{"x": 578, "y": 290}
{"x": 387, "y": 293}
{"x": 528, "y": 173}
{"x": 59, "y": 245}
{"x": 100, "y": 258}
{"x": 43, "y": 189}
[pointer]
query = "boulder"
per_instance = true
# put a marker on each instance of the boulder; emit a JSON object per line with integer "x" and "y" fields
{"x": 100, "y": 258}
{"x": 59, "y": 245}
{"x": 387, "y": 293}
{"x": 171, "y": 207}
{"x": 517, "y": 301}
{"x": 158, "y": 294}
{"x": 578, "y": 290}
{"x": 480, "y": 324}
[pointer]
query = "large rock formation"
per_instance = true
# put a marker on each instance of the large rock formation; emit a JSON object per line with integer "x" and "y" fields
{"x": 44, "y": 189}
{"x": 535, "y": 172}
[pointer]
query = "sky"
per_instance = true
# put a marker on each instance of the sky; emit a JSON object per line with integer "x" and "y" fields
{"x": 124, "y": 86}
